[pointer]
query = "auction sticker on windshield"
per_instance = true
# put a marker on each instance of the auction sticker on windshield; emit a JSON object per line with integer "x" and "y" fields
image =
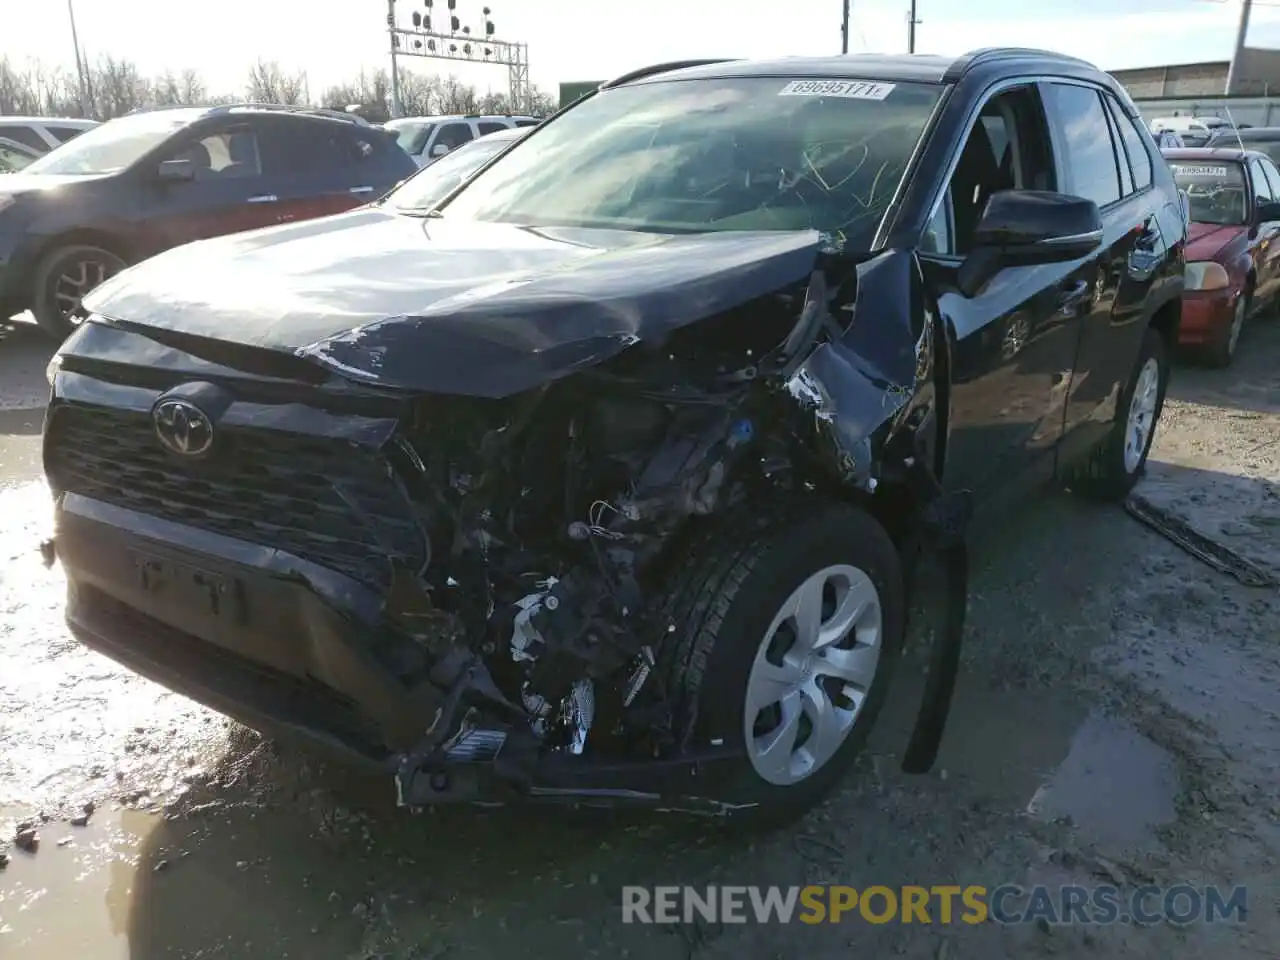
{"x": 1201, "y": 171}
{"x": 853, "y": 89}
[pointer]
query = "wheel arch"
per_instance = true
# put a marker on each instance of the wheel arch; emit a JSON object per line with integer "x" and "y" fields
{"x": 88, "y": 237}
{"x": 1166, "y": 320}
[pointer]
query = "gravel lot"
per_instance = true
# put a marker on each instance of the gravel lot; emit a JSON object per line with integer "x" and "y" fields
{"x": 1117, "y": 721}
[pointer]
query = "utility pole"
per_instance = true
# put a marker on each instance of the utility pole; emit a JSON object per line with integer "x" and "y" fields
{"x": 912, "y": 22}
{"x": 844, "y": 29}
{"x": 1233, "y": 72}
{"x": 395, "y": 69}
{"x": 80, "y": 64}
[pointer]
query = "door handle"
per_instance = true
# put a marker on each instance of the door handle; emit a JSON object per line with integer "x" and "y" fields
{"x": 1072, "y": 296}
{"x": 264, "y": 198}
{"x": 361, "y": 190}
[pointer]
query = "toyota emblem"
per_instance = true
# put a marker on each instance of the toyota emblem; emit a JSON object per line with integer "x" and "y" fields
{"x": 182, "y": 427}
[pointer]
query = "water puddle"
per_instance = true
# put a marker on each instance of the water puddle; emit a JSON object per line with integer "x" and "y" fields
{"x": 83, "y": 873}
{"x": 1115, "y": 784}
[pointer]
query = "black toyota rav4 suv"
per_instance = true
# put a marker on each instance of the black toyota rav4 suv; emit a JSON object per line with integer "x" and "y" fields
{"x": 603, "y": 478}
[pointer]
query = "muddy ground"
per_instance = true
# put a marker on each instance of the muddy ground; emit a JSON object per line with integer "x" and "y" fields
{"x": 1117, "y": 720}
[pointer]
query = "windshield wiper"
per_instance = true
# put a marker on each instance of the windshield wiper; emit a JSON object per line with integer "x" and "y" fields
{"x": 430, "y": 212}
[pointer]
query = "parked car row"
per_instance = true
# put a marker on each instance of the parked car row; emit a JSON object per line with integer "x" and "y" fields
{"x": 600, "y": 477}
{"x": 1233, "y": 258}
{"x": 143, "y": 183}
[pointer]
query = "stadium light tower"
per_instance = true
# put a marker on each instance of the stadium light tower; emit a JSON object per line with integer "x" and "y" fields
{"x": 445, "y": 36}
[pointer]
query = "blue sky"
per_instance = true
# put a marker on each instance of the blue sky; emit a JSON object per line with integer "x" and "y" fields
{"x": 595, "y": 39}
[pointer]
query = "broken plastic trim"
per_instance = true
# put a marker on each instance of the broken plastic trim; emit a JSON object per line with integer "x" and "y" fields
{"x": 859, "y": 387}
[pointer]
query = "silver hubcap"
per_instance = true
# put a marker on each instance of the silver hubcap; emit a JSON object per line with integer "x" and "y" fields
{"x": 1237, "y": 321}
{"x": 75, "y": 282}
{"x": 812, "y": 674}
{"x": 1142, "y": 414}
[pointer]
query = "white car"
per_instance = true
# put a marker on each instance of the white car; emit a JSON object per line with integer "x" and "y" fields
{"x": 42, "y": 134}
{"x": 429, "y": 138}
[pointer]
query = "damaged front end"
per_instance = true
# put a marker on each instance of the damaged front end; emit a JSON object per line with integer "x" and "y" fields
{"x": 533, "y": 635}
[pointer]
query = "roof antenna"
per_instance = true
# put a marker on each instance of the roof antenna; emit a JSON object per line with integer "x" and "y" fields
{"x": 1234, "y": 129}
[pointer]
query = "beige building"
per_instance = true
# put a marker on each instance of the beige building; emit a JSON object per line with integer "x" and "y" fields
{"x": 1259, "y": 76}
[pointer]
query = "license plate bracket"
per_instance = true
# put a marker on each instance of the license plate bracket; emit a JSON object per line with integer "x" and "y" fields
{"x": 185, "y": 585}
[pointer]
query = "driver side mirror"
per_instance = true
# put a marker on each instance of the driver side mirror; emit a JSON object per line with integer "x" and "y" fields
{"x": 439, "y": 150}
{"x": 176, "y": 171}
{"x": 1026, "y": 227}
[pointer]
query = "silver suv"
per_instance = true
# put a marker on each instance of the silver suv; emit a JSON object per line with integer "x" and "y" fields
{"x": 430, "y": 138}
{"x": 42, "y": 134}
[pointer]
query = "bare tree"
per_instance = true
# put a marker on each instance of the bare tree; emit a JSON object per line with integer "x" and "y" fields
{"x": 268, "y": 83}
{"x": 369, "y": 91}
{"x": 118, "y": 88}
{"x": 115, "y": 86}
{"x": 452, "y": 96}
{"x": 191, "y": 89}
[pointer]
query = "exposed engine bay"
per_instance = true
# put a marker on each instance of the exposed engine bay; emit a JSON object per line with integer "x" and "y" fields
{"x": 553, "y": 517}
{"x": 556, "y": 520}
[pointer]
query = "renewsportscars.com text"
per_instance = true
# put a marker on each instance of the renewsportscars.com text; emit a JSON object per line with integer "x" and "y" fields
{"x": 941, "y": 904}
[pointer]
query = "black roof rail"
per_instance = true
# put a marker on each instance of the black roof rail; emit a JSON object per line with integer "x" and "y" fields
{"x": 292, "y": 108}
{"x": 989, "y": 54}
{"x": 660, "y": 68}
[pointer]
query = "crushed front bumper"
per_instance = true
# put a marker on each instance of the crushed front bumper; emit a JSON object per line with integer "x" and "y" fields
{"x": 282, "y": 646}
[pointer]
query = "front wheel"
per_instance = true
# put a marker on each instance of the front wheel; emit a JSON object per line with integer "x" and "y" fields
{"x": 787, "y": 640}
{"x": 1117, "y": 464}
{"x": 63, "y": 277}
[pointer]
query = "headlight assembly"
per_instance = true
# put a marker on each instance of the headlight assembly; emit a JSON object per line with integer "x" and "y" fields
{"x": 1207, "y": 275}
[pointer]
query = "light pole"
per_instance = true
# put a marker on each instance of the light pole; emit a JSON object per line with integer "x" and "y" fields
{"x": 80, "y": 66}
{"x": 1242, "y": 33}
{"x": 395, "y": 69}
{"x": 844, "y": 29}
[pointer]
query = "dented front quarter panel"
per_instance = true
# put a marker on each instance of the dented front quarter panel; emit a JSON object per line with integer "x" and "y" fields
{"x": 864, "y": 385}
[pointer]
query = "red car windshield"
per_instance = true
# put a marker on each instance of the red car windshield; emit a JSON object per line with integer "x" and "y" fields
{"x": 1216, "y": 189}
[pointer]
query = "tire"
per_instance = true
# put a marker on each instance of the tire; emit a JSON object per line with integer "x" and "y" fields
{"x": 68, "y": 272}
{"x": 1222, "y": 352}
{"x": 1114, "y": 468}
{"x": 730, "y": 591}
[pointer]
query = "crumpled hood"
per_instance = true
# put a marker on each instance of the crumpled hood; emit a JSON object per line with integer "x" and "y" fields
{"x": 1206, "y": 240}
{"x": 482, "y": 309}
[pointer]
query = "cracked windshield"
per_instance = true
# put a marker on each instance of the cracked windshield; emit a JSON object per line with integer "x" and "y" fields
{"x": 740, "y": 154}
{"x": 1215, "y": 188}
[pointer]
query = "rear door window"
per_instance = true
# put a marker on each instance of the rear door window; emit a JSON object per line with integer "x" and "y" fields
{"x": 490, "y": 126}
{"x": 303, "y": 146}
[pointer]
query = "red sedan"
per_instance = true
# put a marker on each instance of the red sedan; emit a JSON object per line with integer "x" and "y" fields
{"x": 1232, "y": 246}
